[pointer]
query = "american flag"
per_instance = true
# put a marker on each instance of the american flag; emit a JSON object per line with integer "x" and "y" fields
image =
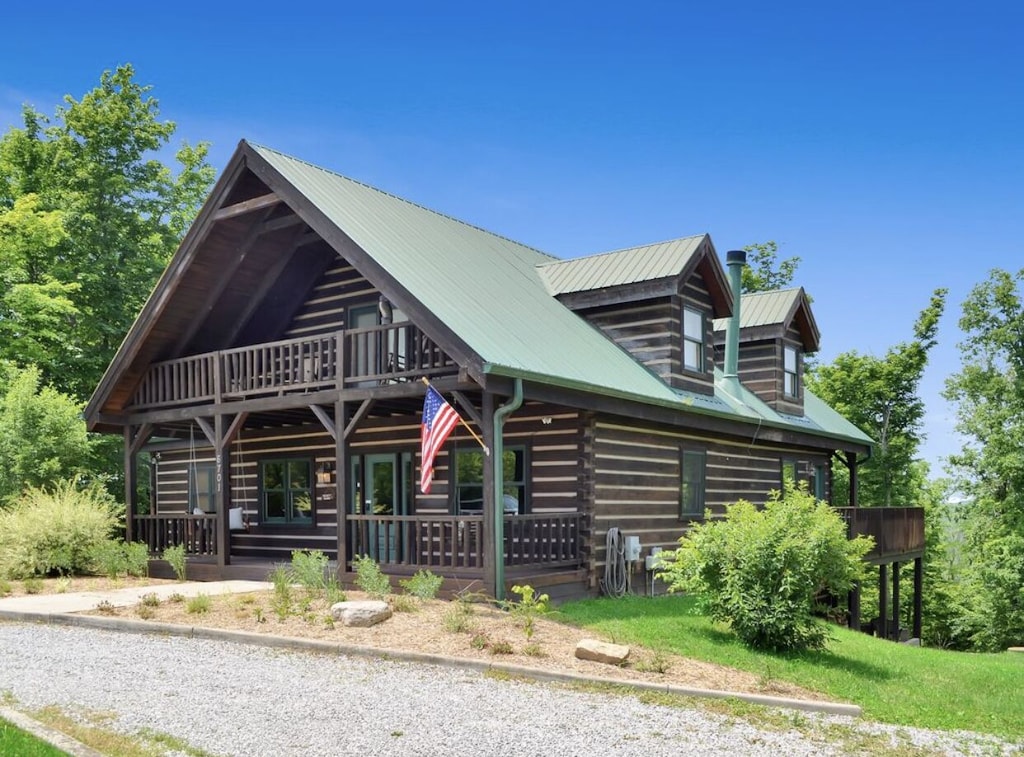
{"x": 439, "y": 418}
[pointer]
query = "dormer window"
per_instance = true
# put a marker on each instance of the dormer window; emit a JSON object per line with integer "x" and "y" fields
{"x": 693, "y": 340}
{"x": 790, "y": 373}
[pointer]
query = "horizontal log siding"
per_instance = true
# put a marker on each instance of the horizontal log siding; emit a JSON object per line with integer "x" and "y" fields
{"x": 648, "y": 330}
{"x": 554, "y": 454}
{"x": 761, "y": 369}
{"x": 636, "y": 481}
{"x": 325, "y": 311}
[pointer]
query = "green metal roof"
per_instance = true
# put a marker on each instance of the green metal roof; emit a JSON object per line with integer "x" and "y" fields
{"x": 764, "y": 308}
{"x": 493, "y": 293}
{"x": 484, "y": 287}
{"x": 629, "y": 266}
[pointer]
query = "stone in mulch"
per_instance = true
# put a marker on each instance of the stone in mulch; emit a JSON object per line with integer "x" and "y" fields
{"x": 361, "y": 613}
{"x": 602, "y": 651}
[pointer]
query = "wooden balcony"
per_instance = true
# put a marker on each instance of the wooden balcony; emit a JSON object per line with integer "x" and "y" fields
{"x": 361, "y": 357}
{"x": 898, "y": 531}
{"x": 196, "y": 533}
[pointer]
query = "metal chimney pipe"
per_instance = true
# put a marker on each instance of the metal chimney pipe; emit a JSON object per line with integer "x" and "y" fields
{"x": 735, "y": 259}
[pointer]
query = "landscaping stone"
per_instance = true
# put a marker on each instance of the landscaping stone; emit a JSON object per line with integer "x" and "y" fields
{"x": 1015, "y": 649}
{"x": 602, "y": 651}
{"x": 361, "y": 614}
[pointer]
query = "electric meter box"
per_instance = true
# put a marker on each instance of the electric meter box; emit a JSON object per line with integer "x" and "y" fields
{"x": 632, "y": 548}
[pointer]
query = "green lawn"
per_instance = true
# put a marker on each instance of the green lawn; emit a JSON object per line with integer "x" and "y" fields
{"x": 13, "y": 740}
{"x": 893, "y": 683}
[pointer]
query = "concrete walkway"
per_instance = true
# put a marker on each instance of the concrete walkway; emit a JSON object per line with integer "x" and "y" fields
{"x": 82, "y": 601}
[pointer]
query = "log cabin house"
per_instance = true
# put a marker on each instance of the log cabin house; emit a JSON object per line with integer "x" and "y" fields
{"x": 269, "y": 394}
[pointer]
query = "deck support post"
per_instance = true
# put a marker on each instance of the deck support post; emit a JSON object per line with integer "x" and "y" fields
{"x": 341, "y": 483}
{"x": 131, "y": 489}
{"x": 223, "y": 494}
{"x": 487, "y": 541}
{"x": 853, "y": 603}
{"x": 851, "y": 463}
{"x": 883, "y": 602}
{"x": 918, "y": 589}
{"x": 896, "y": 601}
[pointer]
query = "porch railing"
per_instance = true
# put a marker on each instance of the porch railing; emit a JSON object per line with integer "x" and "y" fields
{"x": 897, "y": 531}
{"x": 357, "y": 357}
{"x": 454, "y": 543}
{"x": 197, "y": 533}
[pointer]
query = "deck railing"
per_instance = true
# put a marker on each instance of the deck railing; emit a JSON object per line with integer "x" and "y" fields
{"x": 454, "y": 543}
{"x": 197, "y": 533}
{"x": 897, "y": 531}
{"x": 369, "y": 356}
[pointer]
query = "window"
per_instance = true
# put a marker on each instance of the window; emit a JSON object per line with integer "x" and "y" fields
{"x": 817, "y": 484}
{"x": 790, "y": 374}
{"x": 788, "y": 474}
{"x": 469, "y": 480}
{"x": 202, "y": 488}
{"x": 692, "y": 483}
{"x": 286, "y": 491}
{"x": 693, "y": 340}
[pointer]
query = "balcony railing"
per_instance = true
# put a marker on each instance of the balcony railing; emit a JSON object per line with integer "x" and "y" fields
{"x": 196, "y": 533}
{"x": 357, "y": 357}
{"x": 898, "y": 531}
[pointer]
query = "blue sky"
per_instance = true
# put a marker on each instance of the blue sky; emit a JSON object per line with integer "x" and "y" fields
{"x": 879, "y": 142}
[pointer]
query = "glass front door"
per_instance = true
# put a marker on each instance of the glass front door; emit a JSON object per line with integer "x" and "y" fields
{"x": 379, "y": 493}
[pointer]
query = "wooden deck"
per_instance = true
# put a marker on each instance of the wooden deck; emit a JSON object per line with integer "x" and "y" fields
{"x": 898, "y": 531}
{"x": 384, "y": 354}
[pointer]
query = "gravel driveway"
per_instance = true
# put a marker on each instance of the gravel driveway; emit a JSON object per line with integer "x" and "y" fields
{"x": 233, "y": 699}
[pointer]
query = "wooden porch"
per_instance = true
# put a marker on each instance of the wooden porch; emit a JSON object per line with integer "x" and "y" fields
{"x": 541, "y": 548}
{"x": 352, "y": 358}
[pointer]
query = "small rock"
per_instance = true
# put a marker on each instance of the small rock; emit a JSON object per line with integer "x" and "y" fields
{"x": 361, "y": 614}
{"x": 1015, "y": 649}
{"x": 602, "y": 651}
{"x": 913, "y": 641}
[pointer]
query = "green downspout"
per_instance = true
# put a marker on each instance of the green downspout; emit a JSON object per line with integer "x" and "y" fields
{"x": 497, "y": 457}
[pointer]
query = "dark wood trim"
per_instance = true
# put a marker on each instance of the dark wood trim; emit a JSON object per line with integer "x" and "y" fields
{"x": 357, "y": 417}
{"x": 131, "y": 494}
{"x": 487, "y": 432}
{"x": 326, "y": 420}
{"x": 140, "y": 437}
{"x": 896, "y": 601}
{"x": 211, "y": 434}
{"x": 341, "y": 483}
{"x": 247, "y": 206}
{"x": 918, "y": 591}
{"x": 223, "y": 494}
{"x": 883, "y": 602}
{"x": 466, "y": 405}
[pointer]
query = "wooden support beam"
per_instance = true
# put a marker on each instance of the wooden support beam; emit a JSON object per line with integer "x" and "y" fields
{"x": 896, "y": 601}
{"x": 466, "y": 405}
{"x": 357, "y": 418}
{"x": 278, "y": 223}
{"x": 233, "y": 429}
{"x": 131, "y": 492}
{"x": 853, "y": 601}
{"x": 487, "y": 429}
{"x": 223, "y": 495}
{"x": 246, "y": 206}
{"x": 341, "y": 486}
{"x": 883, "y": 602}
{"x": 141, "y": 437}
{"x": 326, "y": 420}
{"x": 209, "y": 430}
{"x": 918, "y": 590}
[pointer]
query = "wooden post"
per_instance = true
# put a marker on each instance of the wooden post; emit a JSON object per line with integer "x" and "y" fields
{"x": 131, "y": 490}
{"x": 223, "y": 501}
{"x": 341, "y": 483}
{"x": 918, "y": 589}
{"x": 851, "y": 463}
{"x": 853, "y": 600}
{"x": 896, "y": 601}
{"x": 487, "y": 541}
{"x": 883, "y": 602}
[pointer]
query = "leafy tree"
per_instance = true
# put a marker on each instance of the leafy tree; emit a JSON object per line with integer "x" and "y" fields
{"x": 762, "y": 272}
{"x": 761, "y": 570}
{"x": 880, "y": 396}
{"x": 989, "y": 395}
{"x": 89, "y": 218}
{"x": 42, "y": 435}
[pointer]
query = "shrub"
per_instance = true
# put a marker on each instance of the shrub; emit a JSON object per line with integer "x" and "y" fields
{"x": 528, "y": 608}
{"x": 369, "y": 577}
{"x": 423, "y": 585}
{"x": 56, "y": 530}
{"x": 760, "y": 570}
{"x": 310, "y": 570}
{"x": 198, "y": 604}
{"x": 33, "y": 585}
{"x": 175, "y": 557}
{"x": 136, "y": 559}
{"x": 108, "y": 559}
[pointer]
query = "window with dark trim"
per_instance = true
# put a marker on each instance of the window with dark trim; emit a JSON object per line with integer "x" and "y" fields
{"x": 693, "y": 340}
{"x": 468, "y": 489}
{"x": 819, "y": 479}
{"x": 788, "y": 474}
{"x": 790, "y": 372}
{"x": 286, "y": 490}
{"x": 692, "y": 482}
{"x": 202, "y": 487}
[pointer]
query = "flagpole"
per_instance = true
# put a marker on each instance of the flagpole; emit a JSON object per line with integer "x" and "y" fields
{"x": 468, "y": 427}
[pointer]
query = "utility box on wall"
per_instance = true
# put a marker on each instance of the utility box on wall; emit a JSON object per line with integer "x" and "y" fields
{"x": 632, "y": 548}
